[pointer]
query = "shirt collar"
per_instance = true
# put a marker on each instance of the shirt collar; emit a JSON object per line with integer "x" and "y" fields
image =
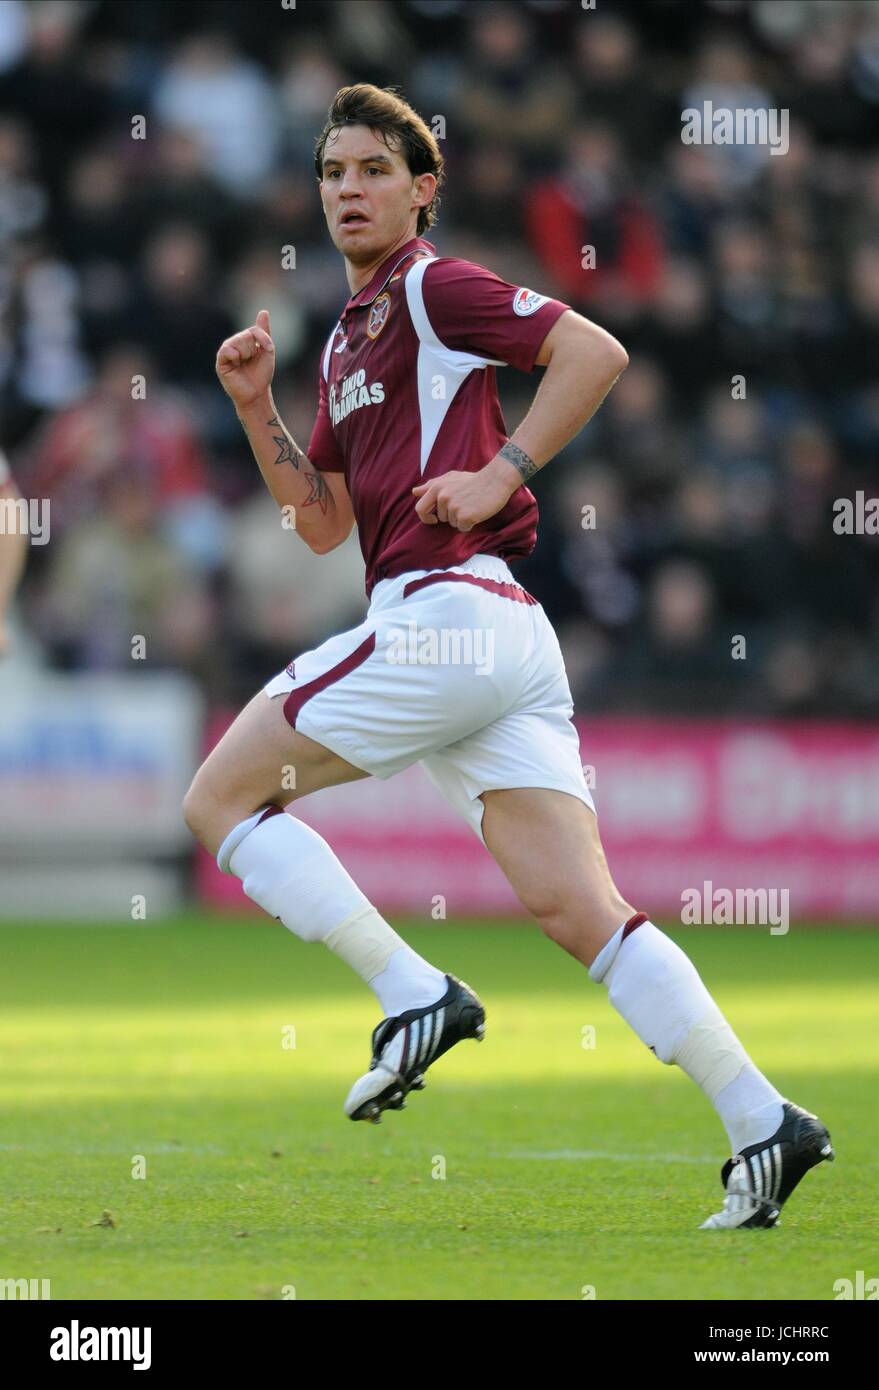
{"x": 386, "y": 270}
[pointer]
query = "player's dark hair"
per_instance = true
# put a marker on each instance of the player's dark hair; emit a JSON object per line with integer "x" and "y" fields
{"x": 393, "y": 119}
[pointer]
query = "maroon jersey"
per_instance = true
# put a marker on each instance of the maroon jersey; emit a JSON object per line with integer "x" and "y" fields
{"x": 408, "y": 392}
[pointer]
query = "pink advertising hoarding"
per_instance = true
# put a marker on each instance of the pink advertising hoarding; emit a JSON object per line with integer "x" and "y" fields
{"x": 743, "y": 805}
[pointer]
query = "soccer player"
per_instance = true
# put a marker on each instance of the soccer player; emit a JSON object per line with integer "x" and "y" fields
{"x": 410, "y": 443}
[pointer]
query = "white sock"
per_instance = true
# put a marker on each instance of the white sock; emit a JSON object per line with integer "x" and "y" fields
{"x": 747, "y": 1110}
{"x": 408, "y": 982}
{"x": 657, "y": 990}
{"x": 292, "y": 873}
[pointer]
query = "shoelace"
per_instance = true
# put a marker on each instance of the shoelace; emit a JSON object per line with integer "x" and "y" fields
{"x": 738, "y": 1189}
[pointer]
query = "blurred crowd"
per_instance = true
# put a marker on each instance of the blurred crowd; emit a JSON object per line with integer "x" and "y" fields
{"x": 155, "y": 161}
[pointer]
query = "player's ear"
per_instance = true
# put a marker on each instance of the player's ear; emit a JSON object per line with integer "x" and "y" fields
{"x": 423, "y": 189}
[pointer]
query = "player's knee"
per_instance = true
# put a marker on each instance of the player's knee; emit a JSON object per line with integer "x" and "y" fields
{"x": 191, "y": 809}
{"x": 554, "y": 917}
{"x": 197, "y": 806}
{"x": 211, "y": 812}
{"x": 581, "y": 925}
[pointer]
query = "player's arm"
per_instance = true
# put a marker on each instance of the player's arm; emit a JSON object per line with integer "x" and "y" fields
{"x": 322, "y": 507}
{"x": 13, "y": 549}
{"x": 582, "y": 363}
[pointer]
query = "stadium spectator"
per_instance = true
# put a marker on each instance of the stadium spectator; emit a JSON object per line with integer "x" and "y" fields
{"x": 24, "y": 199}
{"x": 510, "y": 92}
{"x": 115, "y": 578}
{"x": 616, "y": 87}
{"x": 594, "y": 236}
{"x": 212, "y": 90}
{"x": 113, "y": 435}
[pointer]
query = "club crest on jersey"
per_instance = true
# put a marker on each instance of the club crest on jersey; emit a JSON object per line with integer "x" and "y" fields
{"x": 378, "y": 315}
{"x": 526, "y": 302}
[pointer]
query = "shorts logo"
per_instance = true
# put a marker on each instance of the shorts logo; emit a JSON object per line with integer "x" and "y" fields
{"x": 526, "y": 302}
{"x": 291, "y": 670}
{"x": 378, "y": 315}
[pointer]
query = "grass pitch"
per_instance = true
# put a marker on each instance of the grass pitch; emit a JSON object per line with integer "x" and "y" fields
{"x": 532, "y": 1166}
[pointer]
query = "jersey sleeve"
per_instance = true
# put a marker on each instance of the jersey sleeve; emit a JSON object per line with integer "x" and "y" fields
{"x": 323, "y": 447}
{"x": 472, "y": 310}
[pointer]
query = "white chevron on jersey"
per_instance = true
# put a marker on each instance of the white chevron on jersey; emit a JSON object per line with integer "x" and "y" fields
{"x": 325, "y": 361}
{"x": 438, "y": 366}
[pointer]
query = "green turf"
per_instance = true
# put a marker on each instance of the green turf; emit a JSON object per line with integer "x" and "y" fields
{"x": 560, "y": 1172}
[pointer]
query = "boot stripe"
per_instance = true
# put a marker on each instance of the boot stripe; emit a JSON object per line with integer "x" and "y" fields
{"x": 776, "y": 1153}
{"x": 766, "y": 1158}
{"x": 430, "y": 1033}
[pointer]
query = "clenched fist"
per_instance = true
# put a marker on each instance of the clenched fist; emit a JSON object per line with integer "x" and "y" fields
{"x": 246, "y": 362}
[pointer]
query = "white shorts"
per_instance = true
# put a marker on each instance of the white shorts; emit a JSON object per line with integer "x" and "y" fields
{"x": 462, "y": 675}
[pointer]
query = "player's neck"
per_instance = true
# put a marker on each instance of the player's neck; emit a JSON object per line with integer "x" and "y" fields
{"x": 360, "y": 275}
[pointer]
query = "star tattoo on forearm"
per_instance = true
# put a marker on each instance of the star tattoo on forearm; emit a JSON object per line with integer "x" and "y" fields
{"x": 289, "y": 453}
{"x": 287, "y": 450}
{"x": 522, "y": 462}
{"x": 319, "y": 493}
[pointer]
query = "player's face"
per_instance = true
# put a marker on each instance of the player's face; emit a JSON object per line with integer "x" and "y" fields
{"x": 369, "y": 196}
